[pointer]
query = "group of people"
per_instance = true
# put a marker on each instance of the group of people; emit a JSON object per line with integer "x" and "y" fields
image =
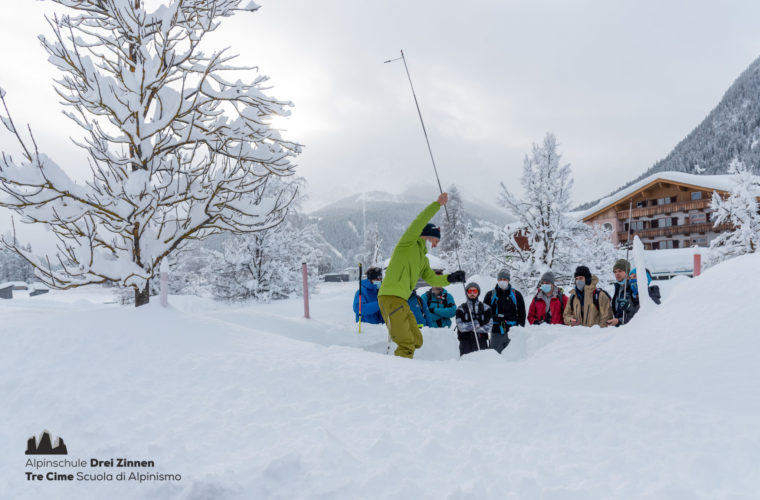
{"x": 482, "y": 324}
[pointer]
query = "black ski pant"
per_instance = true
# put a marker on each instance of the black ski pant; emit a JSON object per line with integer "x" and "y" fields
{"x": 499, "y": 341}
{"x": 467, "y": 345}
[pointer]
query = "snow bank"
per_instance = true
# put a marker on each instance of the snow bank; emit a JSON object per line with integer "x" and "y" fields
{"x": 257, "y": 402}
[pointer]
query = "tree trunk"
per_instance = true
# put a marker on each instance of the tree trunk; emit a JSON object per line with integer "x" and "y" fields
{"x": 142, "y": 297}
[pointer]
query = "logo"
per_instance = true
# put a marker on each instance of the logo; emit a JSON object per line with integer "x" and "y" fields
{"x": 45, "y": 446}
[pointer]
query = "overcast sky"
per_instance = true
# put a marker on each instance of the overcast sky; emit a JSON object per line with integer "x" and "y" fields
{"x": 619, "y": 83}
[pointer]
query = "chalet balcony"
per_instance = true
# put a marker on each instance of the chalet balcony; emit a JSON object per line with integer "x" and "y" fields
{"x": 681, "y": 206}
{"x": 674, "y": 230}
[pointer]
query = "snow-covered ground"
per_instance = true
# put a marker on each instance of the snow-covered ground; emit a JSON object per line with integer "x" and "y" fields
{"x": 255, "y": 401}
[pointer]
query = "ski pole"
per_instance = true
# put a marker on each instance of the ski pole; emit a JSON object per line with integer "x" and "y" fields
{"x": 627, "y": 248}
{"x": 440, "y": 189}
{"x": 360, "y": 297}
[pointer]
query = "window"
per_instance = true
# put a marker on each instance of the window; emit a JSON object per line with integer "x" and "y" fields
{"x": 641, "y": 204}
{"x": 655, "y": 224}
{"x": 666, "y": 200}
{"x": 674, "y": 221}
{"x": 656, "y": 245}
{"x": 606, "y": 226}
{"x": 696, "y": 217}
{"x": 696, "y": 195}
{"x": 676, "y": 244}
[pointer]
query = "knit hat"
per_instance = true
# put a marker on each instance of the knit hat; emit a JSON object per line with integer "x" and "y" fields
{"x": 583, "y": 271}
{"x": 472, "y": 284}
{"x": 374, "y": 273}
{"x": 548, "y": 277}
{"x": 623, "y": 265}
{"x": 503, "y": 275}
{"x": 431, "y": 230}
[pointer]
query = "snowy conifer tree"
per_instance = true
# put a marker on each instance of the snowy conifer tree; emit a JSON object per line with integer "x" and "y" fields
{"x": 591, "y": 246}
{"x": 266, "y": 265}
{"x": 740, "y": 209}
{"x": 178, "y": 150}
{"x": 460, "y": 245}
{"x": 371, "y": 251}
{"x": 453, "y": 226}
{"x": 15, "y": 268}
{"x": 541, "y": 216}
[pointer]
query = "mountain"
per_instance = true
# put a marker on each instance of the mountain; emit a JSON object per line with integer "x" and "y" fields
{"x": 730, "y": 131}
{"x": 341, "y": 223}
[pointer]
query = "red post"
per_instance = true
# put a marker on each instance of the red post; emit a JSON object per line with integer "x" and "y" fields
{"x": 697, "y": 262}
{"x": 164, "y": 280}
{"x": 305, "y": 290}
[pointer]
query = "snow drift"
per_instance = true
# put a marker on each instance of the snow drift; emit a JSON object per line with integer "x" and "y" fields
{"x": 257, "y": 402}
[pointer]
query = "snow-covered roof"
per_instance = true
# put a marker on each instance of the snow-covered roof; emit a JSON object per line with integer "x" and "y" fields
{"x": 719, "y": 182}
{"x": 671, "y": 260}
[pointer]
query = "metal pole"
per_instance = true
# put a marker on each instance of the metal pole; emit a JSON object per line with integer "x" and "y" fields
{"x": 360, "y": 297}
{"x": 440, "y": 189}
{"x": 305, "y": 290}
{"x": 628, "y": 243}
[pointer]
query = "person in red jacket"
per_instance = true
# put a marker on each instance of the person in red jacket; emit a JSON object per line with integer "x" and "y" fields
{"x": 548, "y": 294}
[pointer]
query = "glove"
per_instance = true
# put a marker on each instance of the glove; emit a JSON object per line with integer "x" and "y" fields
{"x": 456, "y": 277}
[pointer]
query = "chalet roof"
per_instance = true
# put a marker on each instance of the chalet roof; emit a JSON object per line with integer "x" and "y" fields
{"x": 708, "y": 182}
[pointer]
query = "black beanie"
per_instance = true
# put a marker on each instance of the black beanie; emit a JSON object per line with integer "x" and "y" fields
{"x": 374, "y": 273}
{"x": 431, "y": 230}
{"x": 583, "y": 271}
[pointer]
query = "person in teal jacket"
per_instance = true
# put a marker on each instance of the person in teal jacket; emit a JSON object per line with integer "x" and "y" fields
{"x": 408, "y": 263}
{"x": 441, "y": 307}
{"x": 368, "y": 295}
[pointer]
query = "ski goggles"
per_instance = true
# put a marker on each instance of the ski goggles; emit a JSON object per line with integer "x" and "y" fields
{"x": 472, "y": 290}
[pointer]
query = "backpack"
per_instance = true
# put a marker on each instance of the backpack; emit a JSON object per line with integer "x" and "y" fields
{"x": 429, "y": 295}
{"x": 495, "y": 300}
{"x": 595, "y": 297}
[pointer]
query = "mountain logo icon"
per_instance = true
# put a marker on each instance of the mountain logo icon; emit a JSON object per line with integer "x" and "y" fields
{"x": 45, "y": 446}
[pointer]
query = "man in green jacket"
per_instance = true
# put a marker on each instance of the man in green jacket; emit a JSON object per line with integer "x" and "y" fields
{"x": 408, "y": 263}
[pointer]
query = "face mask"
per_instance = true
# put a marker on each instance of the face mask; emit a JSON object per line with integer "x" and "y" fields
{"x": 546, "y": 289}
{"x": 621, "y": 281}
{"x": 428, "y": 245}
{"x": 377, "y": 283}
{"x": 580, "y": 284}
{"x": 503, "y": 284}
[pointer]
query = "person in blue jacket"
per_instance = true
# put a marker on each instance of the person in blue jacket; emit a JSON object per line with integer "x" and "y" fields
{"x": 441, "y": 306}
{"x": 368, "y": 297}
{"x": 419, "y": 309}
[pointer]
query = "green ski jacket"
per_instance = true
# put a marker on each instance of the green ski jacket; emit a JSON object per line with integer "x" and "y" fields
{"x": 409, "y": 261}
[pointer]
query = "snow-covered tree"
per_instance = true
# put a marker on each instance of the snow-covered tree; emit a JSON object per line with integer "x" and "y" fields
{"x": 740, "y": 210}
{"x": 266, "y": 265}
{"x": 542, "y": 220}
{"x": 15, "y": 268}
{"x": 590, "y": 246}
{"x": 461, "y": 245}
{"x": 178, "y": 142}
{"x": 371, "y": 253}
{"x": 454, "y": 228}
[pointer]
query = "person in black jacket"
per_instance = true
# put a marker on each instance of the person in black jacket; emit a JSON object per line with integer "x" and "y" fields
{"x": 480, "y": 321}
{"x": 625, "y": 300}
{"x": 508, "y": 309}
